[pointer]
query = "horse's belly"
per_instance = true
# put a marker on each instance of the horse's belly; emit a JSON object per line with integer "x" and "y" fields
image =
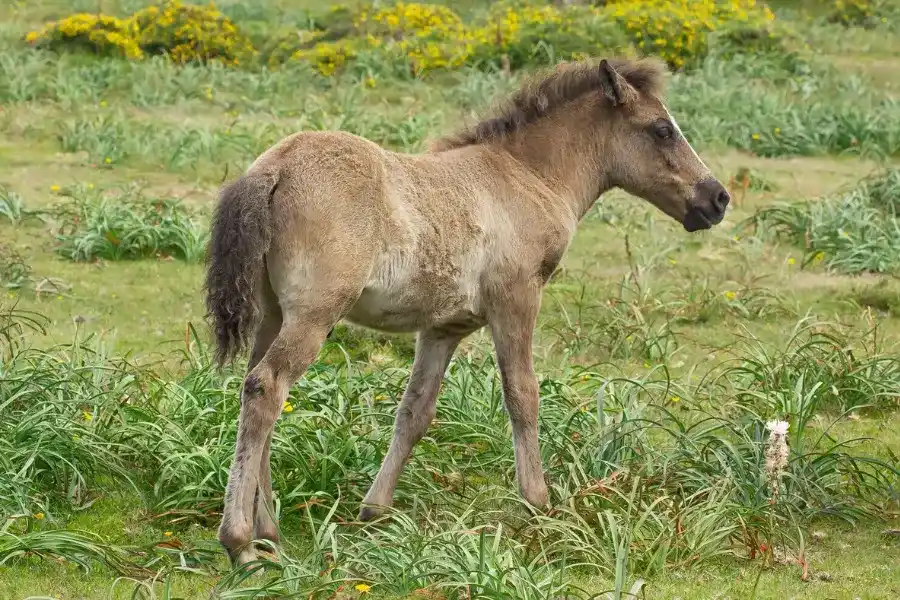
{"x": 403, "y": 297}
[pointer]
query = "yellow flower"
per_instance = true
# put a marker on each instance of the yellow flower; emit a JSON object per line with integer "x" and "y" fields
{"x": 819, "y": 256}
{"x": 362, "y": 588}
{"x": 167, "y": 533}
{"x": 676, "y": 399}
{"x": 730, "y": 295}
{"x": 777, "y": 130}
{"x": 54, "y": 188}
{"x": 90, "y": 186}
{"x": 103, "y": 103}
{"x": 370, "y": 82}
{"x": 791, "y": 260}
{"x": 755, "y": 136}
{"x": 87, "y": 416}
{"x": 39, "y": 516}
{"x": 288, "y": 407}
{"x": 107, "y": 160}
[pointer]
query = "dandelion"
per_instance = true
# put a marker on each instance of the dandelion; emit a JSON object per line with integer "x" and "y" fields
{"x": 675, "y": 399}
{"x": 167, "y": 533}
{"x": 362, "y": 588}
{"x": 755, "y": 136}
{"x": 39, "y": 516}
{"x": 777, "y": 130}
{"x": 776, "y": 454}
{"x": 729, "y": 295}
{"x": 288, "y": 407}
{"x": 87, "y": 416}
{"x": 791, "y": 260}
{"x": 54, "y": 188}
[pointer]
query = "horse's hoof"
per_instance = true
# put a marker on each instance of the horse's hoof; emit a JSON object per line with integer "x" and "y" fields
{"x": 370, "y": 513}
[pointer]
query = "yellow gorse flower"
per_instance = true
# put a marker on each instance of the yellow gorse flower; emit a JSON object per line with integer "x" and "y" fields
{"x": 185, "y": 32}
{"x": 426, "y": 36}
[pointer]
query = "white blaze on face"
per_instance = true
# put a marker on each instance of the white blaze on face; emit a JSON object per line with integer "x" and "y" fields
{"x": 678, "y": 129}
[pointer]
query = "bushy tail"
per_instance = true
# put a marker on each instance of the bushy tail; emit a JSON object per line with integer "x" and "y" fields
{"x": 240, "y": 237}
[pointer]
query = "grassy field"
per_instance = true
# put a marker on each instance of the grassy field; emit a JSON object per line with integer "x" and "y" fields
{"x": 661, "y": 355}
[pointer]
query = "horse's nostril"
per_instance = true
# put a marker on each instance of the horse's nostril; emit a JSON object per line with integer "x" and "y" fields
{"x": 721, "y": 201}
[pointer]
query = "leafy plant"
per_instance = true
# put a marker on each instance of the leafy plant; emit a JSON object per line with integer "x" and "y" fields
{"x": 124, "y": 227}
{"x": 852, "y": 232}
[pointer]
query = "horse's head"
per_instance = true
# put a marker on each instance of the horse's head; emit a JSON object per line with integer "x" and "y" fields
{"x": 651, "y": 157}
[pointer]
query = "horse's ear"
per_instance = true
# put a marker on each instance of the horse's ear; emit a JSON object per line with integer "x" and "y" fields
{"x": 614, "y": 86}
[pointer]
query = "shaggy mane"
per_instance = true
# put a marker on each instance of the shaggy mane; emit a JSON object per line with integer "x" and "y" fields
{"x": 545, "y": 92}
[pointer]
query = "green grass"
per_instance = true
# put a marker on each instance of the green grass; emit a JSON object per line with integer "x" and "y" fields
{"x": 661, "y": 355}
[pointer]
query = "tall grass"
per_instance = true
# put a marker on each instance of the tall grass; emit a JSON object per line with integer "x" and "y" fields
{"x": 95, "y": 225}
{"x": 853, "y": 232}
{"x": 638, "y": 484}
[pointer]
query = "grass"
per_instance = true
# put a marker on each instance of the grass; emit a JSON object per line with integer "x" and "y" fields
{"x": 661, "y": 356}
{"x": 854, "y": 232}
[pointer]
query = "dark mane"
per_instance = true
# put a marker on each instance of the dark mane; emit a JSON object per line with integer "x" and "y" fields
{"x": 545, "y": 92}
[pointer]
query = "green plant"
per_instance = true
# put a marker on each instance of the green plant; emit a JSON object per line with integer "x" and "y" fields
{"x": 11, "y": 205}
{"x": 14, "y": 271}
{"x": 852, "y": 232}
{"x": 128, "y": 226}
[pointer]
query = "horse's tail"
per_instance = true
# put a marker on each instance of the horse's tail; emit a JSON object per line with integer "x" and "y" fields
{"x": 240, "y": 237}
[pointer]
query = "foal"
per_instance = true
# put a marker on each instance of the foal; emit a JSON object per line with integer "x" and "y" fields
{"x": 327, "y": 226}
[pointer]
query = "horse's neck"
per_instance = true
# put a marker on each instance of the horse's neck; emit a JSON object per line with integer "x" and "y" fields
{"x": 569, "y": 163}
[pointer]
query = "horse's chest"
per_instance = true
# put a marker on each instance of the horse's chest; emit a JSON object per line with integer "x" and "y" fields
{"x": 410, "y": 291}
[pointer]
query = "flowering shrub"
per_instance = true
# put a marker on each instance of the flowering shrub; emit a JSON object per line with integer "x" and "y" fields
{"x": 99, "y": 33}
{"x": 422, "y": 37}
{"x": 182, "y": 31}
{"x": 189, "y": 33}
{"x": 519, "y": 31}
{"x": 677, "y": 30}
{"x": 854, "y": 13}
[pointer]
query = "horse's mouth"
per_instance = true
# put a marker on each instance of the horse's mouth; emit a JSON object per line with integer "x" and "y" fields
{"x": 695, "y": 220}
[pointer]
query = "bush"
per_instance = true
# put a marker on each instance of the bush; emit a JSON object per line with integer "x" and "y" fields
{"x": 129, "y": 226}
{"x": 854, "y": 13}
{"x": 104, "y": 35}
{"x": 518, "y": 33}
{"x": 184, "y": 32}
{"x": 678, "y": 31}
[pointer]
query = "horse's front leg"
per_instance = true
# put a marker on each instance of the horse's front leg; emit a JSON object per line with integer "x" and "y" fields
{"x": 512, "y": 328}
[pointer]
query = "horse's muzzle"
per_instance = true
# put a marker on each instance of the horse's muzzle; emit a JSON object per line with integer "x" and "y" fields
{"x": 708, "y": 208}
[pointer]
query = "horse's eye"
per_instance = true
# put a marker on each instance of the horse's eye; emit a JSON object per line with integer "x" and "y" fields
{"x": 663, "y": 131}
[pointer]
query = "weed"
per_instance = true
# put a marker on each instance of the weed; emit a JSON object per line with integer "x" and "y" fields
{"x": 852, "y": 232}
{"x": 126, "y": 226}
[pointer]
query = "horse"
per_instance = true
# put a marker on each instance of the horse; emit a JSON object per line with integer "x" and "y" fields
{"x": 327, "y": 226}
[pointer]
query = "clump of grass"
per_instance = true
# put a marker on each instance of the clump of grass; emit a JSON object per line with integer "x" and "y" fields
{"x": 14, "y": 270}
{"x": 647, "y": 474}
{"x": 854, "y": 232}
{"x": 126, "y": 226}
{"x": 11, "y": 205}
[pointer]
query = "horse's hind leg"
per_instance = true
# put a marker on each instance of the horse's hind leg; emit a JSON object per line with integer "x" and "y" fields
{"x": 265, "y": 389}
{"x": 264, "y": 524}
